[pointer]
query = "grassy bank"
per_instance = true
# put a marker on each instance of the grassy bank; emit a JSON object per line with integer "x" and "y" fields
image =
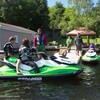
{"x": 62, "y": 41}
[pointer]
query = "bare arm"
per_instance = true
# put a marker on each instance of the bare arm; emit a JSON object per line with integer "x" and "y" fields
{"x": 9, "y": 54}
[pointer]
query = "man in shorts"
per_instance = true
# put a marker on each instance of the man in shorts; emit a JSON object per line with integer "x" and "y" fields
{"x": 78, "y": 43}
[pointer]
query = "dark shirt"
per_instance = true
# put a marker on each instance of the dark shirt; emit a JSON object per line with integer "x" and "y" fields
{"x": 8, "y": 48}
{"x": 78, "y": 41}
{"x": 92, "y": 46}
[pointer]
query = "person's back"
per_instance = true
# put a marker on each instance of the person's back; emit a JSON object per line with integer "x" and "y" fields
{"x": 69, "y": 40}
{"x": 92, "y": 46}
{"x": 24, "y": 52}
{"x": 25, "y": 56}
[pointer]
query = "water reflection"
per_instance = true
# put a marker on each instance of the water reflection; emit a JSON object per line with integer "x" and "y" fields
{"x": 52, "y": 90}
{"x": 89, "y": 75}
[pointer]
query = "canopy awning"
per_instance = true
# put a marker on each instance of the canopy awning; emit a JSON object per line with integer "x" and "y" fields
{"x": 82, "y": 31}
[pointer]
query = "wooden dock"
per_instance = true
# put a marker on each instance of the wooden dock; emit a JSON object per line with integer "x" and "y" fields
{"x": 73, "y": 57}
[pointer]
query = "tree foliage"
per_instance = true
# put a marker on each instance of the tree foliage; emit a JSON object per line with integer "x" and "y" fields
{"x": 31, "y": 14}
{"x": 56, "y": 14}
{"x": 81, "y": 6}
{"x": 80, "y": 13}
{"x": 69, "y": 21}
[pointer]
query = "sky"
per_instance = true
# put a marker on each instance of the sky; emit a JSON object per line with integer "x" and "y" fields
{"x": 64, "y": 2}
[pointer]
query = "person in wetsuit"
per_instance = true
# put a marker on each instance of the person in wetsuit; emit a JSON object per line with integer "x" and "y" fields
{"x": 8, "y": 48}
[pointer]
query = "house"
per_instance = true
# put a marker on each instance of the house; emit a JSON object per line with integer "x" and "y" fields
{"x": 7, "y": 30}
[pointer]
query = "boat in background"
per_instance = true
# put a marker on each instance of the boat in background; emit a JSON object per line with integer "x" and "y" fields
{"x": 90, "y": 56}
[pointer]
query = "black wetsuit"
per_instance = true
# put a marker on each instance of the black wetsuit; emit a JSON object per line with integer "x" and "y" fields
{"x": 8, "y": 48}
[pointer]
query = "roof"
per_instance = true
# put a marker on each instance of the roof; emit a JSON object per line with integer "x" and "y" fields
{"x": 15, "y": 28}
{"x": 82, "y": 31}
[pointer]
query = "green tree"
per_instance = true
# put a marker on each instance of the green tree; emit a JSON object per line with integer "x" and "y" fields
{"x": 1, "y": 18}
{"x": 95, "y": 14}
{"x": 18, "y": 12}
{"x": 98, "y": 3}
{"x": 42, "y": 13}
{"x": 81, "y": 6}
{"x": 70, "y": 20}
{"x": 31, "y": 14}
{"x": 56, "y": 14}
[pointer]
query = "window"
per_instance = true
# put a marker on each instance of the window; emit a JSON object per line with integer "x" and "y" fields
{"x": 17, "y": 38}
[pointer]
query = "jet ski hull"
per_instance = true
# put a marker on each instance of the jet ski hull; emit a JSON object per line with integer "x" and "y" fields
{"x": 48, "y": 69}
{"x": 90, "y": 57}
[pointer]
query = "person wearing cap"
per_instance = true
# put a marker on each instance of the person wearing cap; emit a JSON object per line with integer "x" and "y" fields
{"x": 40, "y": 41}
{"x": 78, "y": 43}
{"x": 8, "y": 48}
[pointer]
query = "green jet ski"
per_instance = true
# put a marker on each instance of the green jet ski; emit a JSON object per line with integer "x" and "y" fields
{"x": 47, "y": 67}
{"x": 90, "y": 56}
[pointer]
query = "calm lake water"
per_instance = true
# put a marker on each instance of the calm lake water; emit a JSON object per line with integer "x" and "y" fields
{"x": 86, "y": 86}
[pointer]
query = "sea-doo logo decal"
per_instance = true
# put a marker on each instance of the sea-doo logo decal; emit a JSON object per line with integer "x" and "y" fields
{"x": 35, "y": 79}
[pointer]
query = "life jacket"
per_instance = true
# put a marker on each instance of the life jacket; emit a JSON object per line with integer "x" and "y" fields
{"x": 24, "y": 53}
{"x": 40, "y": 40}
{"x": 37, "y": 40}
{"x": 92, "y": 46}
{"x": 8, "y": 48}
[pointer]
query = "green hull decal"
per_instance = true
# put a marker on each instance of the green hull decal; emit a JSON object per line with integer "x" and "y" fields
{"x": 46, "y": 70}
{"x": 94, "y": 58}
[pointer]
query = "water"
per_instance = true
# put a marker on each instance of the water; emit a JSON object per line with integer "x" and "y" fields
{"x": 86, "y": 86}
